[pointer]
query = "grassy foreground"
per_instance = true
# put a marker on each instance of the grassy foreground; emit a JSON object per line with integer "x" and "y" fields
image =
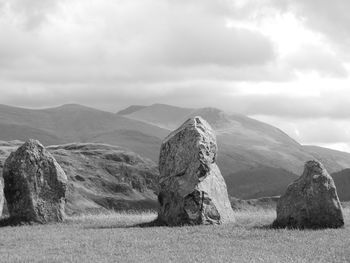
{"x": 115, "y": 238}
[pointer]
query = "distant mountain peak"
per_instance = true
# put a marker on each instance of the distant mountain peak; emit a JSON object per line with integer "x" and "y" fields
{"x": 71, "y": 106}
{"x": 210, "y": 109}
{"x": 162, "y": 105}
{"x": 131, "y": 109}
{"x": 161, "y": 115}
{"x": 156, "y": 106}
{"x": 216, "y": 117}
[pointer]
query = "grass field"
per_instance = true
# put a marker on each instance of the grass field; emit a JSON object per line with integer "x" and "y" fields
{"x": 115, "y": 238}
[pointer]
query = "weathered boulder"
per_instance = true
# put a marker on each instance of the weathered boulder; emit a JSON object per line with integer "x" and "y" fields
{"x": 35, "y": 184}
{"x": 311, "y": 201}
{"x": 192, "y": 189}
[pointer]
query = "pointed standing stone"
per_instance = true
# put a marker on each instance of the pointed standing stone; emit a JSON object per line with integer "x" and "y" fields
{"x": 35, "y": 184}
{"x": 311, "y": 201}
{"x": 192, "y": 189}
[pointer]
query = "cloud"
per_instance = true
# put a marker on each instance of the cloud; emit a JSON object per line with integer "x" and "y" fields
{"x": 315, "y": 58}
{"x": 29, "y": 13}
{"x": 210, "y": 42}
{"x": 104, "y": 42}
{"x": 120, "y": 41}
{"x": 315, "y": 33}
{"x": 329, "y": 17}
{"x": 328, "y": 101}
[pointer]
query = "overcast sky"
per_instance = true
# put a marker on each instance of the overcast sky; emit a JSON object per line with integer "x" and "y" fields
{"x": 285, "y": 62}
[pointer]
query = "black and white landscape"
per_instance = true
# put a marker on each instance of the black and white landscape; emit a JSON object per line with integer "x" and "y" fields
{"x": 174, "y": 131}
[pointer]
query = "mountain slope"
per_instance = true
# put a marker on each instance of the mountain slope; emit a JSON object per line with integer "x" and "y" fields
{"x": 76, "y": 123}
{"x": 161, "y": 115}
{"x": 245, "y": 143}
{"x": 23, "y": 132}
{"x": 330, "y": 158}
{"x": 246, "y": 146}
{"x": 259, "y": 182}
{"x": 131, "y": 109}
{"x": 342, "y": 181}
{"x": 255, "y": 158}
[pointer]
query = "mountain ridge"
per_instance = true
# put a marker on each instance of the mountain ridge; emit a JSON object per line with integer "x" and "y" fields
{"x": 248, "y": 134}
{"x": 76, "y": 123}
{"x": 246, "y": 146}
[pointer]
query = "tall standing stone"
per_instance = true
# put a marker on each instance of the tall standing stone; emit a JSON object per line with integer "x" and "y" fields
{"x": 311, "y": 201}
{"x": 192, "y": 189}
{"x": 35, "y": 184}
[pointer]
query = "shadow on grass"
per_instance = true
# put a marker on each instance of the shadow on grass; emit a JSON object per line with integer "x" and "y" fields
{"x": 305, "y": 226}
{"x": 263, "y": 227}
{"x": 15, "y": 221}
{"x": 152, "y": 224}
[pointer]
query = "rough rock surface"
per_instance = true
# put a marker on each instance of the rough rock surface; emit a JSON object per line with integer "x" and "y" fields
{"x": 311, "y": 201}
{"x": 192, "y": 189}
{"x": 35, "y": 184}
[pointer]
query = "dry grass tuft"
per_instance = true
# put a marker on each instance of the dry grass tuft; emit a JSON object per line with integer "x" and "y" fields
{"x": 113, "y": 219}
{"x": 255, "y": 217}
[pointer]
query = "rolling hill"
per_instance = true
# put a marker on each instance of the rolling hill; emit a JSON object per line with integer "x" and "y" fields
{"x": 259, "y": 182}
{"x": 342, "y": 182}
{"x": 255, "y": 158}
{"x": 101, "y": 177}
{"x": 161, "y": 115}
{"x": 76, "y": 123}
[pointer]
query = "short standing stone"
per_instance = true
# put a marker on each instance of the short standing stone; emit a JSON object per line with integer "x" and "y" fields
{"x": 35, "y": 184}
{"x": 192, "y": 189}
{"x": 311, "y": 201}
